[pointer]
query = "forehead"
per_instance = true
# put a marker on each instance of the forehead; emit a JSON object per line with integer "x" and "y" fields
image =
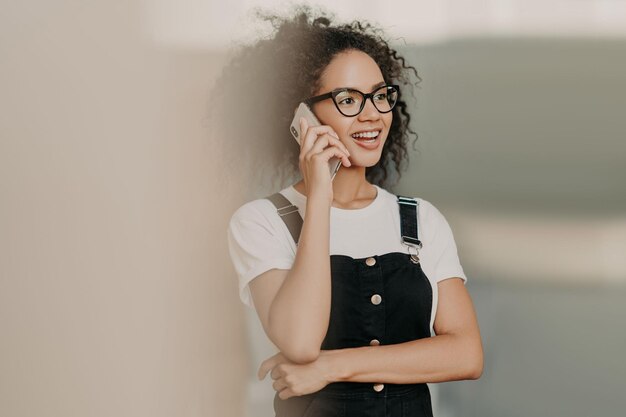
{"x": 353, "y": 69}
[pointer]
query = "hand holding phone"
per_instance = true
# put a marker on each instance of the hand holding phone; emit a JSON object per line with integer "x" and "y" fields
{"x": 304, "y": 111}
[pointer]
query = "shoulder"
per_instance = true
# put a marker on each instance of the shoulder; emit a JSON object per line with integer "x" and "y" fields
{"x": 255, "y": 213}
{"x": 427, "y": 211}
{"x": 440, "y": 257}
{"x": 258, "y": 208}
{"x": 431, "y": 220}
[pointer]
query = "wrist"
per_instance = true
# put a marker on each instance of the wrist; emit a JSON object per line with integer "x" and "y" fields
{"x": 333, "y": 366}
{"x": 319, "y": 198}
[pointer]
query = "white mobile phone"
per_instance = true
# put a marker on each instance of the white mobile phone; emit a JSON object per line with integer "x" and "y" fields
{"x": 303, "y": 110}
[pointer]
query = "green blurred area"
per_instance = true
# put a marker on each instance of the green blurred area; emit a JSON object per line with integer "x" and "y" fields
{"x": 528, "y": 130}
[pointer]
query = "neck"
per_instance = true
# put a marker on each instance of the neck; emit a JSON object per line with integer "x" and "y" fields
{"x": 350, "y": 184}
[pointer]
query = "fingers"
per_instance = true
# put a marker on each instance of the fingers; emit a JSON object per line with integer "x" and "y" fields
{"x": 279, "y": 384}
{"x": 276, "y": 372}
{"x": 286, "y": 393}
{"x": 344, "y": 151}
{"x": 310, "y": 135}
{"x": 274, "y": 364}
{"x": 329, "y": 152}
{"x": 326, "y": 155}
{"x": 267, "y": 365}
{"x": 283, "y": 389}
{"x": 264, "y": 368}
{"x": 327, "y": 141}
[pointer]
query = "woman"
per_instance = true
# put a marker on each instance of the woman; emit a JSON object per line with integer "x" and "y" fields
{"x": 365, "y": 296}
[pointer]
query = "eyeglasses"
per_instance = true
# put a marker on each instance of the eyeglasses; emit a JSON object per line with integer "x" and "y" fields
{"x": 351, "y": 102}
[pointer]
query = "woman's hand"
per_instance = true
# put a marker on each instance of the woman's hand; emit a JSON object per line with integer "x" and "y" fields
{"x": 293, "y": 379}
{"x": 318, "y": 145}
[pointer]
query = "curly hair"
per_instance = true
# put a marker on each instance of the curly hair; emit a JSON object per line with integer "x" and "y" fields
{"x": 258, "y": 90}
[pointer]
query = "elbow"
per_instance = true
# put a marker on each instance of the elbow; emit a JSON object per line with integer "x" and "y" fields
{"x": 295, "y": 350}
{"x": 301, "y": 355}
{"x": 469, "y": 364}
{"x": 297, "y": 347}
{"x": 469, "y": 371}
{"x": 475, "y": 372}
{"x": 475, "y": 368}
{"x": 472, "y": 359}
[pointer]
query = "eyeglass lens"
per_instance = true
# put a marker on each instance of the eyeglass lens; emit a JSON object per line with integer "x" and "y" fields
{"x": 349, "y": 102}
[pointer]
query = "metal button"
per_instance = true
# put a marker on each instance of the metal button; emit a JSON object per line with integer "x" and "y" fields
{"x": 370, "y": 261}
{"x": 374, "y": 342}
{"x": 376, "y": 299}
{"x": 379, "y": 387}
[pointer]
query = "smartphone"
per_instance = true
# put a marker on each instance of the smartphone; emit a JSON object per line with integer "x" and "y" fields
{"x": 303, "y": 110}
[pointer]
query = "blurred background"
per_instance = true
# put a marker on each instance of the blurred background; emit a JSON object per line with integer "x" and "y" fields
{"x": 117, "y": 296}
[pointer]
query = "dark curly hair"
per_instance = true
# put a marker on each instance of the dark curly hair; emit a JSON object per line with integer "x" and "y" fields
{"x": 254, "y": 97}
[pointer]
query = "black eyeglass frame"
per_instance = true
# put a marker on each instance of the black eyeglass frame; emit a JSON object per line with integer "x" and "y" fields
{"x": 311, "y": 100}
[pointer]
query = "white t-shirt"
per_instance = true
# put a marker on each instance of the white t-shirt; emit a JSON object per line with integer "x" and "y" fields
{"x": 259, "y": 240}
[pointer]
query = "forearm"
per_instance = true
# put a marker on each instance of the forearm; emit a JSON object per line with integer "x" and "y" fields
{"x": 439, "y": 358}
{"x": 300, "y": 312}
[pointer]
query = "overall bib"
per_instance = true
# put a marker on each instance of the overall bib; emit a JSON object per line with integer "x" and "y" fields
{"x": 379, "y": 300}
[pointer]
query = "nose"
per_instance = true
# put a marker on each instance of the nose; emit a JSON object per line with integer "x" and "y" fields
{"x": 369, "y": 111}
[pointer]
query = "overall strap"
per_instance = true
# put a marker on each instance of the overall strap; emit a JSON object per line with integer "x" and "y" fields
{"x": 288, "y": 213}
{"x": 409, "y": 208}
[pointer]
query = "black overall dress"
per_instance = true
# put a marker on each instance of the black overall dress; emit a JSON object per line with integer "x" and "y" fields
{"x": 379, "y": 300}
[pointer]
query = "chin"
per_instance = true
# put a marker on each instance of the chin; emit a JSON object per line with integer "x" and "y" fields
{"x": 366, "y": 162}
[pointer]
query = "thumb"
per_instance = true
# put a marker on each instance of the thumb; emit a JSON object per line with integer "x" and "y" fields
{"x": 265, "y": 367}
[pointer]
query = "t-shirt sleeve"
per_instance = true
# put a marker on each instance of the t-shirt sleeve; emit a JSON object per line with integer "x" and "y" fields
{"x": 255, "y": 246}
{"x": 444, "y": 251}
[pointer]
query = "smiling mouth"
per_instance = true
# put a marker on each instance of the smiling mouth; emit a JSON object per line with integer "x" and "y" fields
{"x": 367, "y": 137}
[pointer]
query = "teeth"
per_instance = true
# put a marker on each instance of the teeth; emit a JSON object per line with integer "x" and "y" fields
{"x": 366, "y": 134}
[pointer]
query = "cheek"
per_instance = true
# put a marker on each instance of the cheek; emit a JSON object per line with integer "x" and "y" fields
{"x": 343, "y": 130}
{"x": 329, "y": 117}
{"x": 388, "y": 119}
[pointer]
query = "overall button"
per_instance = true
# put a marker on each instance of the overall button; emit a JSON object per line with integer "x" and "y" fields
{"x": 370, "y": 261}
{"x": 376, "y": 299}
{"x": 379, "y": 387}
{"x": 374, "y": 342}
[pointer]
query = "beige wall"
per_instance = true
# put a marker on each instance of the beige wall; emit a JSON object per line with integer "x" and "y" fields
{"x": 113, "y": 288}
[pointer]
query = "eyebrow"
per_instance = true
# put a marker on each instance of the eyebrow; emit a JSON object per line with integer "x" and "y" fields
{"x": 380, "y": 84}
